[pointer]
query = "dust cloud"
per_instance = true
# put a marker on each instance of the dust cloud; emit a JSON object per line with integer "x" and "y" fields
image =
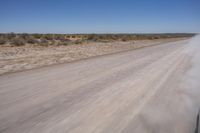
{"x": 175, "y": 107}
{"x": 192, "y": 78}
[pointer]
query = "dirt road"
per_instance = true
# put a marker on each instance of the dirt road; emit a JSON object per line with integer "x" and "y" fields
{"x": 149, "y": 90}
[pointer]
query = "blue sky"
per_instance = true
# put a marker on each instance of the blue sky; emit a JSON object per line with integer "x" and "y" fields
{"x": 99, "y": 16}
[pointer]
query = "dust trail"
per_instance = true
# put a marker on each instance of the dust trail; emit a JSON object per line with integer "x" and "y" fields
{"x": 192, "y": 77}
{"x": 174, "y": 108}
{"x": 190, "y": 85}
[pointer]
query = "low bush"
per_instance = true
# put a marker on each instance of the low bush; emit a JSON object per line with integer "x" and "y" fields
{"x": 64, "y": 43}
{"x": 32, "y": 40}
{"x": 49, "y": 36}
{"x": 2, "y": 41}
{"x": 37, "y": 36}
{"x": 43, "y": 40}
{"x": 78, "y": 42}
{"x": 124, "y": 39}
{"x": 18, "y": 42}
{"x": 11, "y": 36}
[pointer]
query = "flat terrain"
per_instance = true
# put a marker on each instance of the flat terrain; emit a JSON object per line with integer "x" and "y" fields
{"x": 13, "y": 58}
{"x": 139, "y": 91}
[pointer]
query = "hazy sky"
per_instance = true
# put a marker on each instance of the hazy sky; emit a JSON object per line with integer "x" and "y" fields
{"x": 99, "y": 16}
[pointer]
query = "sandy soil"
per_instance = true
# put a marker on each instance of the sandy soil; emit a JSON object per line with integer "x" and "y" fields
{"x": 14, "y": 59}
{"x": 149, "y": 90}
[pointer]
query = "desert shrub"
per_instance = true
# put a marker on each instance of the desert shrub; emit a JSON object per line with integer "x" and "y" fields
{"x": 124, "y": 39}
{"x": 18, "y": 42}
{"x": 157, "y": 37}
{"x": 56, "y": 37}
{"x": 31, "y": 40}
{"x": 91, "y": 37}
{"x": 37, "y": 36}
{"x": 59, "y": 37}
{"x": 44, "y": 42}
{"x": 49, "y": 36}
{"x": 52, "y": 42}
{"x": 64, "y": 43}
{"x": 11, "y": 36}
{"x": 101, "y": 37}
{"x": 24, "y": 36}
{"x": 78, "y": 42}
{"x": 2, "y": 41}
{"x": 113, "y": 37}
{"x": 73, "y": 36}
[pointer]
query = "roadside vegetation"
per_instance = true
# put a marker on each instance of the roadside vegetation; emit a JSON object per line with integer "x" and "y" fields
{"x": 13, "y": 39}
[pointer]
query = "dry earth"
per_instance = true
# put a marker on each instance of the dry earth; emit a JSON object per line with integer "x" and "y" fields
{"x": 14, "y": 59}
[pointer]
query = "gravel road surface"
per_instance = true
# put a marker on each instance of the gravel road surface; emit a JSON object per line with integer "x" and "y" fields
{"x": 149, "y": 90}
